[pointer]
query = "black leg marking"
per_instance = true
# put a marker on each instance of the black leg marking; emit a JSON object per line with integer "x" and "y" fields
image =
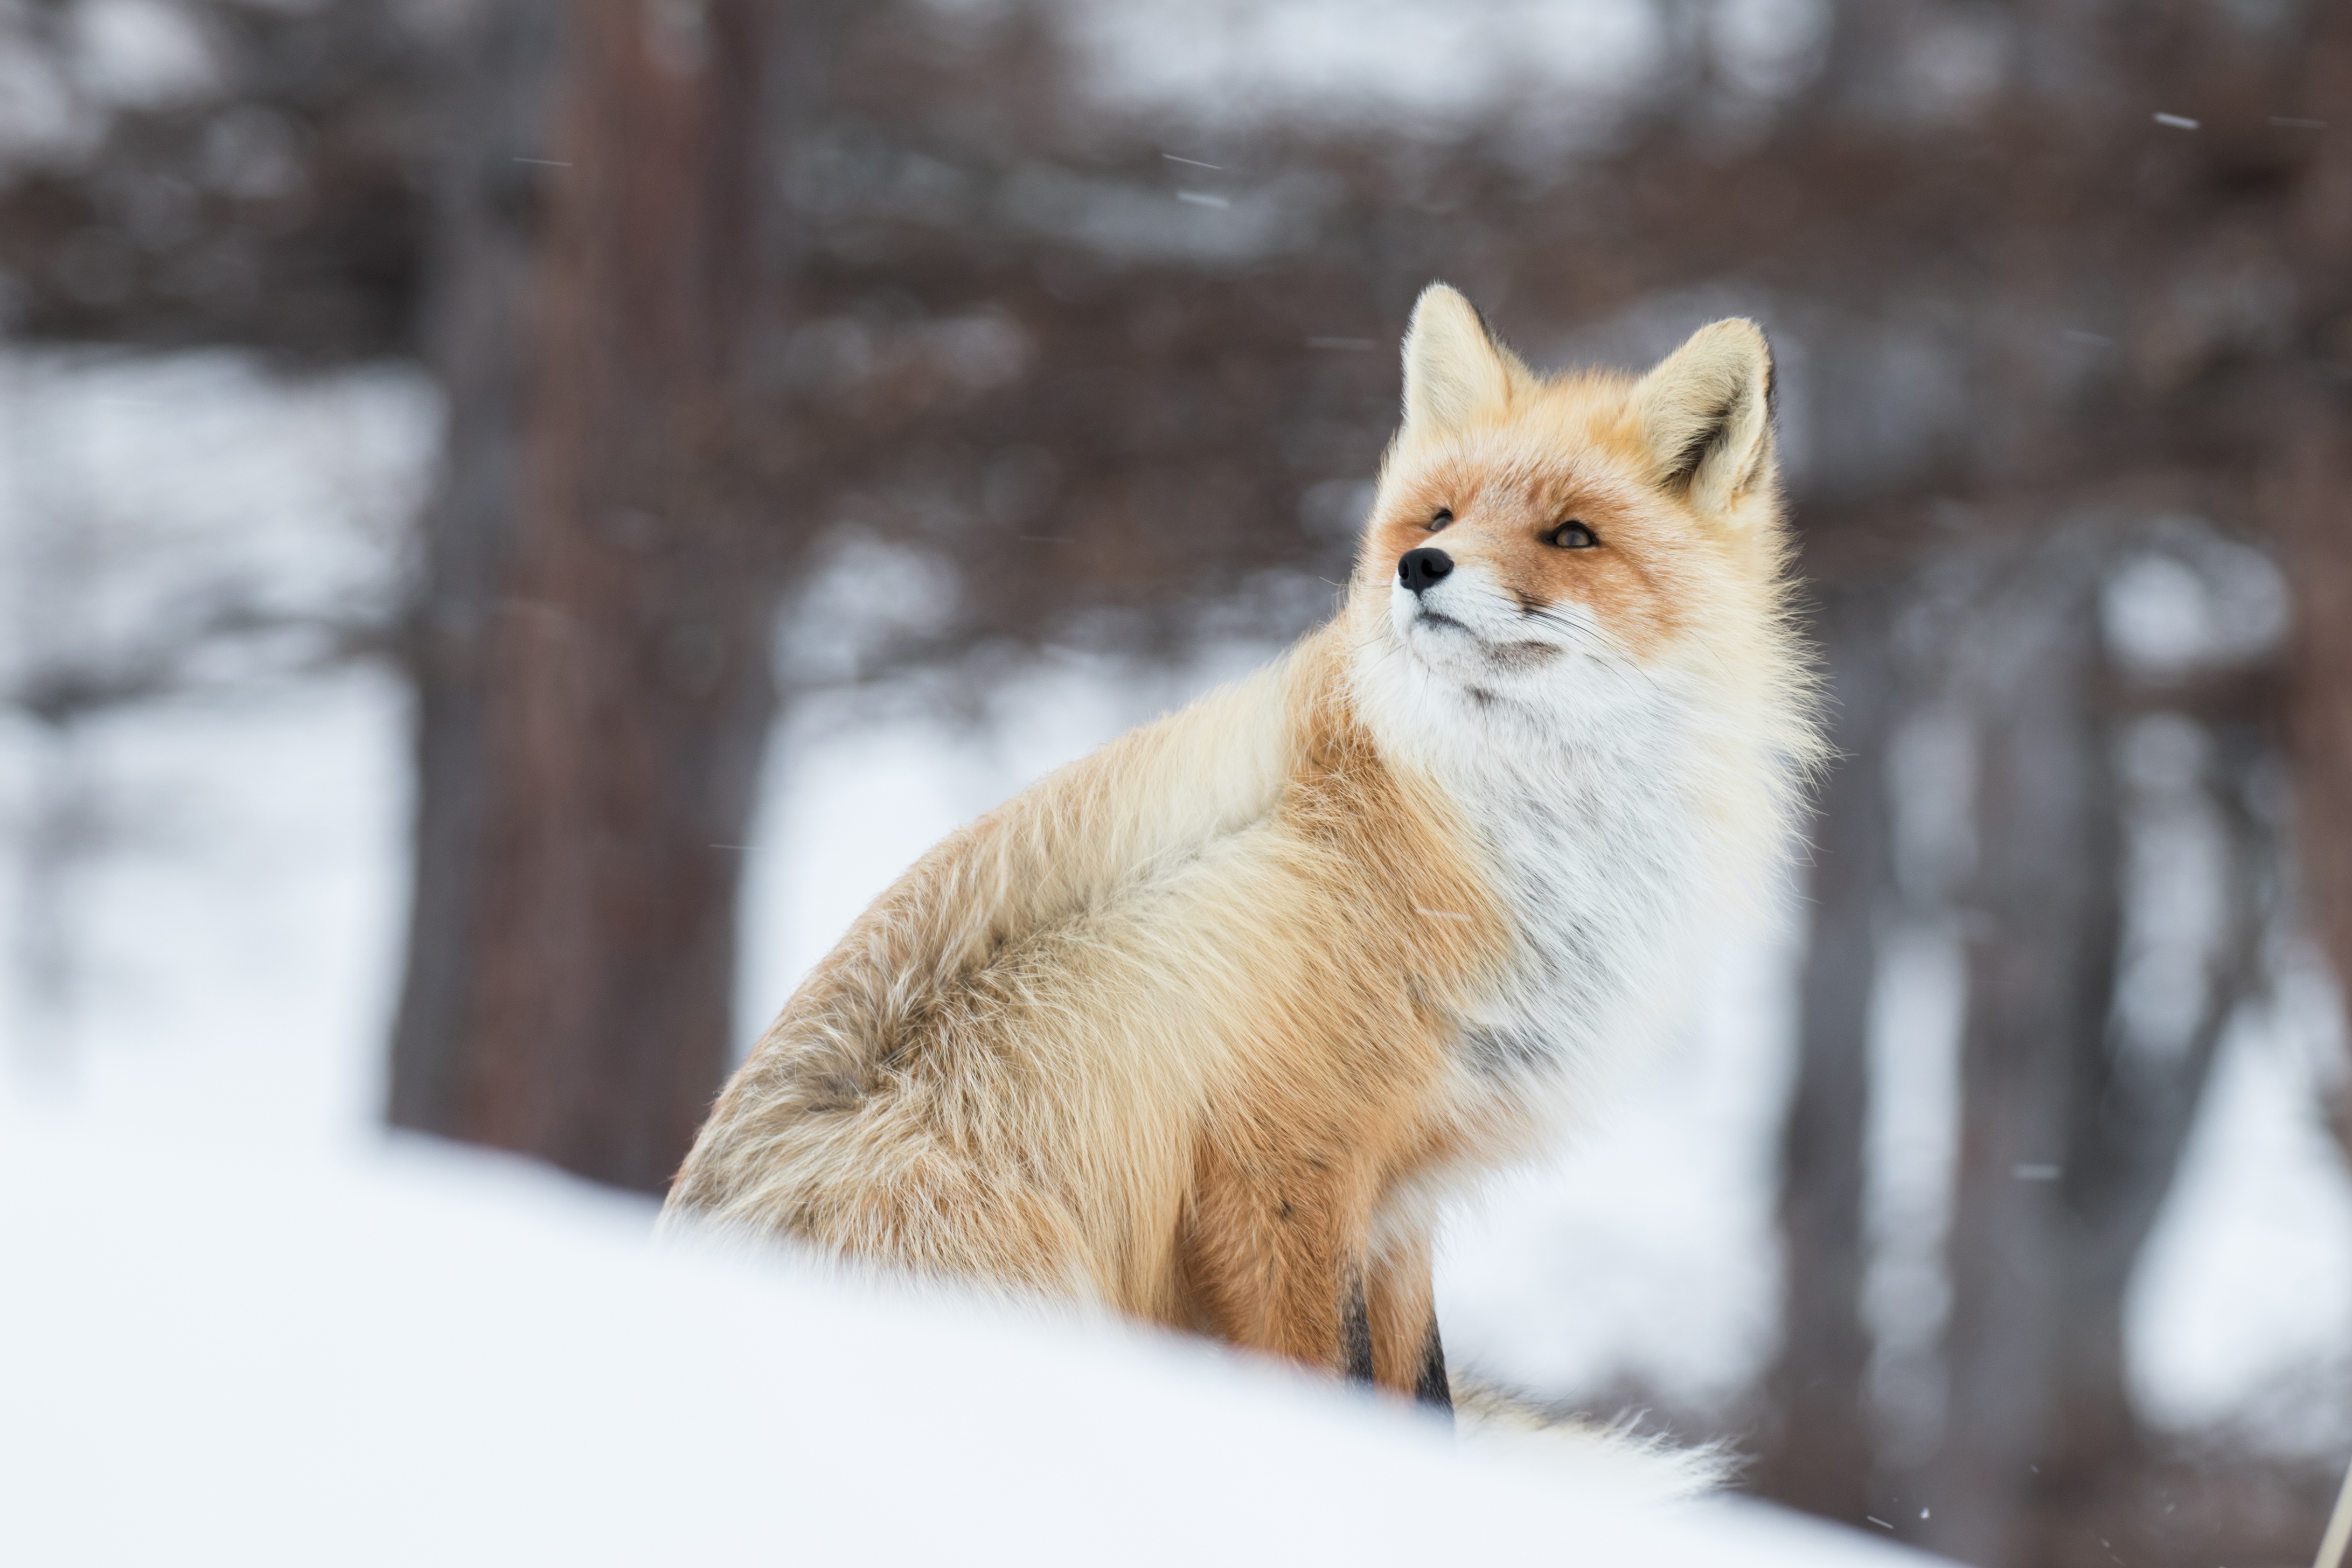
{"x": 1433, "y": 1390}
{"x": 1356, "y": 1336}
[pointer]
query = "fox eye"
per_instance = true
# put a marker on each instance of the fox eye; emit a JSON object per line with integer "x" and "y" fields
{"x": 1445, "y": 516}
{"x": 1572, "y": 535}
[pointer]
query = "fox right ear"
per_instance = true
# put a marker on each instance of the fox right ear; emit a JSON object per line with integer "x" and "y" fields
{"x": 1705, "y": 414}
{"x": 1453, "y": 369}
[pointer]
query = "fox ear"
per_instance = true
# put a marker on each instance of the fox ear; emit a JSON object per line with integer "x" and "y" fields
{"x": 1705, "y": 414}
{"x": 1453, "y": 369}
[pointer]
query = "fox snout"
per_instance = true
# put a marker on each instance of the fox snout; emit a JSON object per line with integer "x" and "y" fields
{"x": 1422, "y": 570}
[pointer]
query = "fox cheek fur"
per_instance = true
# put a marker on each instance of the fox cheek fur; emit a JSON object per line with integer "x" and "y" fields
{"x": 1203, "y": 1027}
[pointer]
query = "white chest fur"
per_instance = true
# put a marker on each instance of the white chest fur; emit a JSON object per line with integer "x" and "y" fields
{"x": 1584, "y": 797}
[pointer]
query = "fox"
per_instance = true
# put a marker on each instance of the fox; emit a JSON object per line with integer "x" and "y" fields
{"x": 1208, "y": 1028}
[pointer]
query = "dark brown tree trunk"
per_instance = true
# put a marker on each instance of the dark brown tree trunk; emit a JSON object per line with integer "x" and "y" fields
{"x": 2312, "y": 498}
{"x": 2310, "y": 505}
{"x": 576, "y": 1006}
{"x": 487, "y": 233}
{"x": 2045, "y": 910}
{"x": 2129, "y": 1110}
{"x": 1819, "y": 1455}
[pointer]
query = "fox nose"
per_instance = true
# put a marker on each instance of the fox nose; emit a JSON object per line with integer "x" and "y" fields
{"x": 1420, "y": 569}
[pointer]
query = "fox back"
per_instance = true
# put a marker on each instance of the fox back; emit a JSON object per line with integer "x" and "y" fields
{"x": 1201, "y": 1026}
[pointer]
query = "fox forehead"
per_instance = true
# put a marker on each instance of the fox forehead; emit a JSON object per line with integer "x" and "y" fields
{"x": 1571, "y": 444}
{"x": 1499, "y": 476}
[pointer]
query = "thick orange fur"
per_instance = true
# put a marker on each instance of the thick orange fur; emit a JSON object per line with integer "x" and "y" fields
{"x": 1193, "y": 1028}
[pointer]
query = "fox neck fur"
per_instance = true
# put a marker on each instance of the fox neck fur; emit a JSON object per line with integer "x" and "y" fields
{"x": 1196, "y": 1028}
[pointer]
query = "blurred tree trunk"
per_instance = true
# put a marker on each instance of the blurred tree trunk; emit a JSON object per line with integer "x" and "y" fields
{"x": 2310, "y": 504}
{"x": 2045, "y": 904}
{"x": 2314, "y": 499}
{"x": 486, "y": 238}
{"x": 571, "y": 962}
{"x": 2129, "y": 1108}
{"x": 1819, "y": 1455}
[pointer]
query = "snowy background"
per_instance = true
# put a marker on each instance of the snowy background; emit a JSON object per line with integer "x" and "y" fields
{"x": 204, "y": 881}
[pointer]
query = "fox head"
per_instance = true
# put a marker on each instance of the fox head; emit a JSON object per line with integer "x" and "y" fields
{"x": 1534, "y": 535}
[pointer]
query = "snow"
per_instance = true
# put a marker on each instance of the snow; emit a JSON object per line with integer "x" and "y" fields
{"x": 141, "y": 53}
{"x": 202, "y": 892}
{"x": 220, "y": 914}
{"x": 1914, "y": 1063}
{"x": 2245, "y": 1284}
{"x": 2195, "y": 599}
{"x": 1235, "y": 65}
{"x": 41, "y": 118}
{"x": 143, "y": 491}
{"x": 232, "y": 928}
{"x": 1770, "y": 48}
{"x": 239, "y": 1355}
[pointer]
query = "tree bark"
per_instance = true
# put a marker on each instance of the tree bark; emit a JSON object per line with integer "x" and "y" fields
{"x": 487, "y": 234}
{"x": 2045, "y": 906}
{"x": 2129, "y": 1112}
{"x": 1819, "y": 1457}
{"x": 2312, "y": 498}
{"x": 2310, "y": 504}
{"x": 571, "y": 983}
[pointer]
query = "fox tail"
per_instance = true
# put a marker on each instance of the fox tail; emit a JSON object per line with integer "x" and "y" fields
{"x": 1636, "y": 1466}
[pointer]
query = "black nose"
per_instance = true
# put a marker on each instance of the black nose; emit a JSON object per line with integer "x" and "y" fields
{"x": 1421, "y": 568}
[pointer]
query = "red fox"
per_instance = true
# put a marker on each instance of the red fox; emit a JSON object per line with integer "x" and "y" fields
{"x": 1200, "y": 1027}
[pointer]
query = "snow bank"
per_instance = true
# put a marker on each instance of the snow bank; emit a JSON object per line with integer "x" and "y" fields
{"x": 228, "y": 1355}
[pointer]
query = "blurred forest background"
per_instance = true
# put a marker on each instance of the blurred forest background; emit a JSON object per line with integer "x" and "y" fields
{"x": 800, "y": 349}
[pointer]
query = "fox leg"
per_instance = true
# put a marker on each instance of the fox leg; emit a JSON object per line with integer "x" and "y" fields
{"x": 1356, "y": 1360}
{"x": 1276, "y": 1259}
{"x": 1278, "y": 1256}
{"x": 1407, "y": 1357}
{"x": 1436, "y": 1388}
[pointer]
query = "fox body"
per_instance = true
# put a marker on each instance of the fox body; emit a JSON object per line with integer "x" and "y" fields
{"x": 1200, "y": 1027}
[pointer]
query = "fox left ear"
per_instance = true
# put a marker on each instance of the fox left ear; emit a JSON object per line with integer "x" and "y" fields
{"x": 1453, "y": 369}
{"x": 1705, "y": 414}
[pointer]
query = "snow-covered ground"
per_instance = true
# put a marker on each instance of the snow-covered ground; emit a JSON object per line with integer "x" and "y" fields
{"x": 200, "y": 904}
{"x": 215, "y": 1353}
